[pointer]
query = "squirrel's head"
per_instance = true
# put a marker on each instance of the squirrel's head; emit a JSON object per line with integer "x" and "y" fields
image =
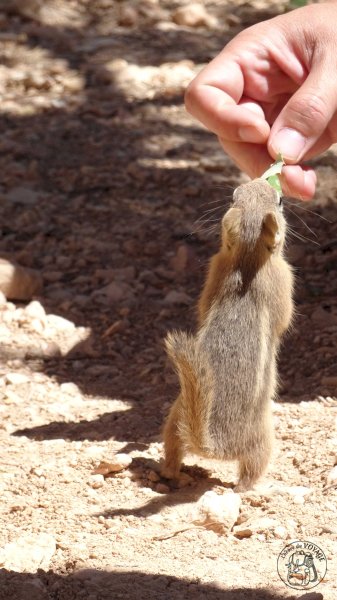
{"x": 255, "y": 221}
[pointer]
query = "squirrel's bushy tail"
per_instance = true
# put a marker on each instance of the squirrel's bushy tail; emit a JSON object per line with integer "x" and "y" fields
{"x": 192, "y": 374}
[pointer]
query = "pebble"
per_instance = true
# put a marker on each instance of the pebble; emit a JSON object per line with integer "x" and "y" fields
{"x": 59, "y": 323}
{"x": 299, "y": 490}
{"x": 70, "y": 388}
{"x": 28, "y": 553}
{"x": 162, "y": 488}
{"x": 128, "y": 16}
{"x": 18, "y": 283}
{"x": 332, "y": 476}
{"x": 193, "y": 15}
{"x": 114, "y": 292}
{"x": 281, "y": 532}
{"x": 118, "y": 463}
{"x": 153, "y": 476}
{"x": 298, "y": 500}
{"x": 23, "y": 195}
{"x": 96, "y": 481}
{"x": 174, "y": 297}
{"x": 16, "y": 378}
{"x": 256, "y": 526}
{"x": 217, "y": 512}
{"x": 330, "y": 381}
{"x": 35, "y": 310}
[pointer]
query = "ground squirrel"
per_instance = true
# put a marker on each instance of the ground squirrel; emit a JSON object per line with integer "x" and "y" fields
{"x": 227, "y": 370}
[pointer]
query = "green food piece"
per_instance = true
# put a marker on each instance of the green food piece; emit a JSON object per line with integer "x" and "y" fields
{"x": 296, "y": 4}
{"x": 272, "y": 174}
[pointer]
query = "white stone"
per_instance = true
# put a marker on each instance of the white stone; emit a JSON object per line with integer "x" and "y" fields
{"x": 298, "y": 499}
{"x": 70, "y": 388}
{"x": 298, "y": 490}
{"x": 280, "y": 532}
{"x": 217, "y": 512}
{"x": 35, "y": 310}
{"x": 59, "y": 323}
{"x": 96, "y": 481}
{"x": 16, "y": 378}
{"x": 332, "y": 476}
{"x": 28, "y": 553}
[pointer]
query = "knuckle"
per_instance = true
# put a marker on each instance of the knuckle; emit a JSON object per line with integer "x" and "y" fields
{"x": 309, "y": 113}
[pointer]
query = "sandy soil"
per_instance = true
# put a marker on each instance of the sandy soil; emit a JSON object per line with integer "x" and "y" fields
{"x": 114, "y": 194}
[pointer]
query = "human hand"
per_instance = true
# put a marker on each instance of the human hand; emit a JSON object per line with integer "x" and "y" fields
{"x": 273, "y": 89}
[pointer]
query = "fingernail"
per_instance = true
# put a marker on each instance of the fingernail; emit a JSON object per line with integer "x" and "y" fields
{"x": 289, "y": 142}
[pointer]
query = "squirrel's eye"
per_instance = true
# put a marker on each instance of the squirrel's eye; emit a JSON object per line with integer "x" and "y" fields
{"x": 280, "y": 203}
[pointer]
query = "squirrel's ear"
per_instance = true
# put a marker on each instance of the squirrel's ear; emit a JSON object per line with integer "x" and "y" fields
{"x": 270, "y": 231}
{"x": 231, "y": 226}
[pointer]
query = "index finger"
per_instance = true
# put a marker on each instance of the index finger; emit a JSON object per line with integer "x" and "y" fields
{"x": 214, "y": 97}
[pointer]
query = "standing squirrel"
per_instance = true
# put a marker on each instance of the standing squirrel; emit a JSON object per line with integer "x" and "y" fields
{"x": 227, "y": 370}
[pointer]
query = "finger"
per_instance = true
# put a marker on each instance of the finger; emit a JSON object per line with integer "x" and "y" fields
{"x": 307, "y": 114}
{"x": 252, "y": 159}
{"x": 217, "y": 102}
{"x": 297, "y": 182}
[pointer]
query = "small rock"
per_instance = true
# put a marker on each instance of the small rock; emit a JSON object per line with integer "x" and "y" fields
{"x": 193, "y": 15}
{"x": 69, "y": 388}
{"x": 256, "y": 526}
{"x": 217, "y": 512}
{"x": 16, "y": 378}
{"x": 49, "y": 350}
{"x": 18, "y": 283}
{"x": 175, "y": 297}
{"x": 118, "y": 463}
{"x": 330, "y": 381}
{"x": 243, "y": 532}
{"x": 153, "y": 476}
{"x": 114, "y": 292}
{"x": 28, "y": 553}
{"x": 232, "y": 19}
{"x": 280, "y": 532}
{"x": 162, "y": 488}
{"x": 327, "y": 529}
{"x": 184, "y": 480}
{"x": 96, "y": 481}
{"x": 128, "y": 16}
{"x": 298, "y": 499}
{"x": 59, "y": 323}
{"x": 23, "y": 195}
{"x": 332, "y": 476}
{"x": 298, "y": 490}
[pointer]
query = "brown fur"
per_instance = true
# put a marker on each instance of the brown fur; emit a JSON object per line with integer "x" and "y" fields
{"x": 227, "y": 370}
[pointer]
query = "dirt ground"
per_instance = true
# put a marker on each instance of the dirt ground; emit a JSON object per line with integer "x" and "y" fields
{"x": 115, "y": 194}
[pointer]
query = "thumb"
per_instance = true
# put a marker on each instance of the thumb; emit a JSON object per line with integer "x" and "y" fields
{"x": 306, "y": 115}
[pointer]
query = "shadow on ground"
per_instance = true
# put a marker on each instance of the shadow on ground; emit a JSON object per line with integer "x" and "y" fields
{"x": 131, "y": 585}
